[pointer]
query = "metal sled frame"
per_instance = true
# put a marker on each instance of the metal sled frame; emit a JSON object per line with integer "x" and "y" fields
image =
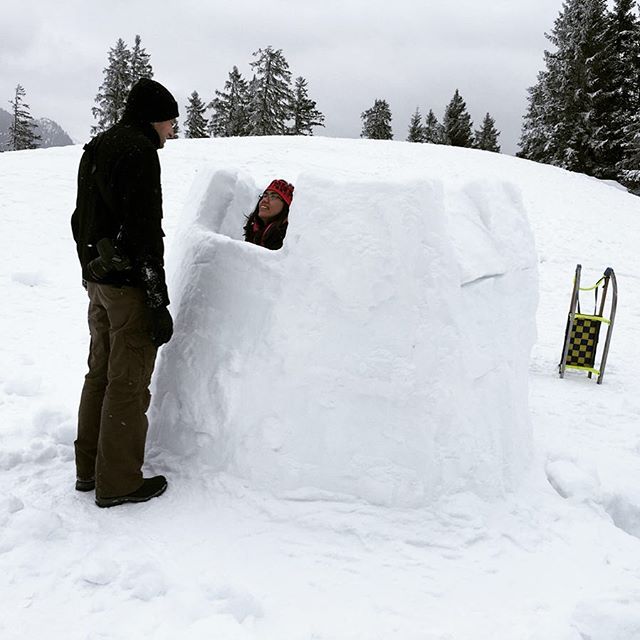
{"x": 582, "y": 332}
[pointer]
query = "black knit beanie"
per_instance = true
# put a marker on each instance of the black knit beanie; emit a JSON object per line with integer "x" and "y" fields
{"x": 149, "y": 101}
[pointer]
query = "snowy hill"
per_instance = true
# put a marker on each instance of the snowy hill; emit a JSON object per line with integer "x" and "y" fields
{"x": 221, "y": 556}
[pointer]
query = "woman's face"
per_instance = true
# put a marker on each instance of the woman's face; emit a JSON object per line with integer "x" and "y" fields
{"x": 270, "y": 205}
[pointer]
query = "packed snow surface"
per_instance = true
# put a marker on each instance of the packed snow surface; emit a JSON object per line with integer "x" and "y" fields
{"x": 344, "y": 423}
{"x": 383, "y": 353}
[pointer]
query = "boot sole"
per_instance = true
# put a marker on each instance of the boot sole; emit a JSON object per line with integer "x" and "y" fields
{"x": 105, "y": 503}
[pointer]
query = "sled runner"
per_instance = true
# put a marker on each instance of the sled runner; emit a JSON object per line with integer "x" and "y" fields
{"x": 582, "y": 332}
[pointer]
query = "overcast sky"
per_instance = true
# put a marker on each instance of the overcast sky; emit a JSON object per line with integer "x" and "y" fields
{"x": 412, "y": 53}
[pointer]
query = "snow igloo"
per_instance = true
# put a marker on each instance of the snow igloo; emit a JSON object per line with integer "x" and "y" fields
{"x": 382, "y": 353}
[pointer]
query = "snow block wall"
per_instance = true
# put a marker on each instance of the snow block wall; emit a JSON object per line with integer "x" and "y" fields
{"x": 382, "y": 353}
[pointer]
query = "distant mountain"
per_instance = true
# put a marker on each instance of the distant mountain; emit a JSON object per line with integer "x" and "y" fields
{"x": 50, "y": 132}
{"x": 5, "y": 123}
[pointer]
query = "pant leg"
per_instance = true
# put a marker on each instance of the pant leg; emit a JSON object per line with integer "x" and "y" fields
{"x": 95, "y": 384}
{"x": 123, "y": 422}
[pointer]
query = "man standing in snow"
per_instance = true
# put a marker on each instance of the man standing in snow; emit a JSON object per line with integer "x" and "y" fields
{"x": 117, "y": 226}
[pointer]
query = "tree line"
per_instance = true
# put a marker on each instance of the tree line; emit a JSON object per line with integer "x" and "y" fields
{"x": 267, "y": 104}
{"x": 270, "y": 104}
{"x": 584, "y": 110}
{"x": 456, "y": 129}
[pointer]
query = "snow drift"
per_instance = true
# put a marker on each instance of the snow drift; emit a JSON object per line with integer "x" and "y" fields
{"x": 382, "y": 353}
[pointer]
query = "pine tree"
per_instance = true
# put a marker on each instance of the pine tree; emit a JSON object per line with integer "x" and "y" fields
{"x": 113, "y": 92}
{"x": 486, "y": 137}
{"x": 196, "y": 123}
{"x": 433, "y": 130}
{"x": 140, "y": 62}
{"x": 457, "y": 123}
{"x": 376, "y": 121}
{"x": 536, "y": 128}
{"x": 416, "y": 130}
{"x": 271, "y": 96}
{"x": 304, "y": 113}
{"x": 567, "y": 121}
{"x": 230, "y": 108}
{"x": 629, "y": 171}
{"x": 125, "y": 67}
{"x": 601, "y": 154}
{"x": 555, "y": 111}
{"x": 623, "y": 48}
{"x": 22, "y": 134}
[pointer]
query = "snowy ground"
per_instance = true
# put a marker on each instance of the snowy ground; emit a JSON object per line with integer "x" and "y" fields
{"x": 556, "y": 559}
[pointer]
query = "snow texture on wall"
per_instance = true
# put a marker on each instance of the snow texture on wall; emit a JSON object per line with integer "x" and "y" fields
{"x": 382, "y": 353}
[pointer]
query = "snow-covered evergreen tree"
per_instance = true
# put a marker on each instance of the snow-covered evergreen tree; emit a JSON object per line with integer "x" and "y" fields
{"x": 113, "y": 92}
{"x": 22, "y": 131}
{"x": 416, "y": 130}
{"x": 303, "y": 112}
{"x": 457, "y": 123}
{"x": 486, "y": 137}
{"x": 195, "y": 122}
{"x": 125, "y": 67}
{"x": 230, "y": 108}
{"x": 433, "y": 130}
{"x": 552, "y": 99}
{"x": 629, "y": 171}
{"x": 271, "y": 97}
{"x": 140, "y": 62}
{"x": 601, "y": 154}
{"x": 536, "y": 127}
{"x": 623, "y": 48}
{"x": 376, "y": 121}
{"x": 568, "y": 120}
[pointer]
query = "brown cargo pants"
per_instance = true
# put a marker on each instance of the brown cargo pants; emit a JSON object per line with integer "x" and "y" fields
{"x": 112, "y": 421}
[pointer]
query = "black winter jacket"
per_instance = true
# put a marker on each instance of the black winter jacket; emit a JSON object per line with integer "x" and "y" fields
{"x": 120, "y": 198}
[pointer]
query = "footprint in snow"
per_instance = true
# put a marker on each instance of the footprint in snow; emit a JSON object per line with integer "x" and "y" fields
{"x": 624, "y": 510}
{"x": 28, "y": 526}
{"x": 144, "y": 581}
{"x": 29, "y": 278}
{"x": 240, "y": 604}
{"x": 26, "y": 387}
{"x": 9, "y": 505}
{"x": 100, "y": 572}
{"x": 60, "y": 425}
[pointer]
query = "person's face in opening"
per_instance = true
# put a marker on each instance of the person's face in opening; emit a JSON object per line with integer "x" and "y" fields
{"x": 164, "y": 130}
{"x": 270, "y": 205}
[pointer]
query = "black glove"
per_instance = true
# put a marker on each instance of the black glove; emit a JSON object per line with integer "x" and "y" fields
{"x": 161, "y": 326}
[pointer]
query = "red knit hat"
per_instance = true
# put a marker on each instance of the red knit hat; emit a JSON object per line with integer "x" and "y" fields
{"x": 283, "y": 189}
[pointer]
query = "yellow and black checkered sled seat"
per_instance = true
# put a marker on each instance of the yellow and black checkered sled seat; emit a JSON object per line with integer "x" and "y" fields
{"x": 583, "y": 342}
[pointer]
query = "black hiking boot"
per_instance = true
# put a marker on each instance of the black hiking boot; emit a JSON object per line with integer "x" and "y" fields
{"x": 85, "y": 485}
{"x": 151, "y": 488}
